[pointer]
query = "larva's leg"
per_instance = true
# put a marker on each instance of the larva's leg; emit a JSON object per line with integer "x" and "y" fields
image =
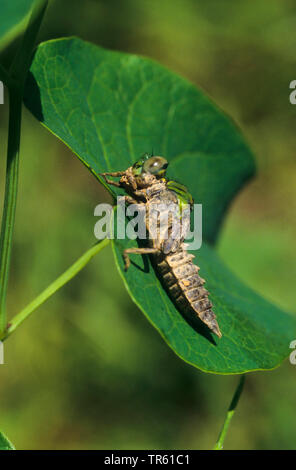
{"x": 130, "y": 200}
{"x": 114, "y": 174}
{"x": 113, "y": 183}
{"x": 141, "y": 193}
{"x": 132, "y": 182}
{"x": 136, "y": 251}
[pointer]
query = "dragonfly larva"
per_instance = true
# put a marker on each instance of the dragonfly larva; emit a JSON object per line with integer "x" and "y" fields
{"x": 146, "y": 185}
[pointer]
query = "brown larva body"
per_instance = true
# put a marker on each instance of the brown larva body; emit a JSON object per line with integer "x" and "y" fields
{"x": 168, "y": 253}
{"x": 179, "y": 275}
{"x": 184, "y": 285}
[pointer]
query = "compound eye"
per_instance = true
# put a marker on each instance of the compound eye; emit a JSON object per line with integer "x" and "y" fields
{"x": 155, "y": 166}
{"x": 138, "y": 165}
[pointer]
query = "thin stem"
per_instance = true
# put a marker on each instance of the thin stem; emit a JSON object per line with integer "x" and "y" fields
{"x": 16, "y": 80}
{"x": 54, "y": 286}
{"x": 230, "y": 413}
{"x": 12, "y": 168}
{"x": 22, "y": 59}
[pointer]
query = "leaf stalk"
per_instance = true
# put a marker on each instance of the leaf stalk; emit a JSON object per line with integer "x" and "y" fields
{"x": 235, "y": 399}
{"x": 74, "y": 269}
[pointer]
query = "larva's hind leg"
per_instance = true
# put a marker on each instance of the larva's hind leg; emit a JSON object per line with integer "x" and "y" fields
{"x": 136, "y": 251}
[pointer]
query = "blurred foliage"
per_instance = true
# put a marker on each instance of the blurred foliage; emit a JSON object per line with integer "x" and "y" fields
{"x": 13, "y": 20}
{"x": 87, "y": 371}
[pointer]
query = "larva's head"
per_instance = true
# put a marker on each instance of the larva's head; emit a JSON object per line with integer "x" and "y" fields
{"x": 151, "y": 165}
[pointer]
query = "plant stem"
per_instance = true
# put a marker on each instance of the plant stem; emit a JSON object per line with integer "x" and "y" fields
{"x": 12, "y": 167}
{"x": 15, "y": 81}
{"x": 21, "y": 62}
{"x": 56, "y": 285}
{"x": 230, "y": 413}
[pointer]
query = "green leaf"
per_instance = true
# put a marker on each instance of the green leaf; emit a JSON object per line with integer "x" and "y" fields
{"x": 213, "y": 179}
{"x": 109, "y": 108}
{"x": 14, "y": 14}
{"x": 5, "y": 444}
{"x": 256, "y": 334}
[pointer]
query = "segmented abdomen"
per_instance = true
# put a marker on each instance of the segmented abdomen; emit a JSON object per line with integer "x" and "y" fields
{"x": 185, "y": 286}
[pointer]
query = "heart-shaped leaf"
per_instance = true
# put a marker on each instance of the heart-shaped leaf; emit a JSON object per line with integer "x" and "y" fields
{"x": 14, "y": 14}
{"x": 109, "y": 108}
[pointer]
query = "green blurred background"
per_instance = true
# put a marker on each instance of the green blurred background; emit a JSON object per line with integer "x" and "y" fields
{"x": 87, "y": 370}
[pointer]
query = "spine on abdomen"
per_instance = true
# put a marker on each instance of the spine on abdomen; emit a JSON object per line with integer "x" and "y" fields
{"x": 185, "y": 286}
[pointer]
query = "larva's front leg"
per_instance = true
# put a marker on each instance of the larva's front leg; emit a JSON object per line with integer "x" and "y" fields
{"x": 114, "y": 174}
